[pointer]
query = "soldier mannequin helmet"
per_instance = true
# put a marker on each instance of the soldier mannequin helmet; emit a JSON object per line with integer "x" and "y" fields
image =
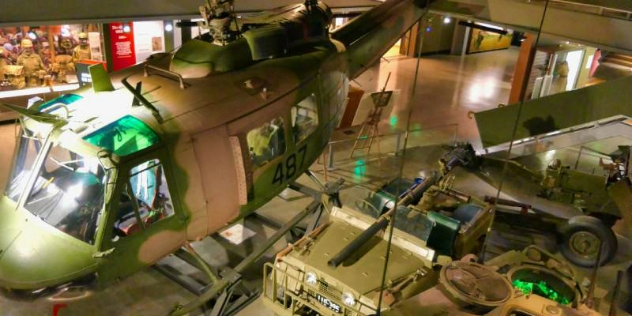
{"x": 26, "y": 43}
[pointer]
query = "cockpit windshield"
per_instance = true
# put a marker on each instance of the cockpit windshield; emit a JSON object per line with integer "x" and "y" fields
{"x": 29, "y": 146}
{"x": 124, "y": 136}
{"x": 68, "y": 193}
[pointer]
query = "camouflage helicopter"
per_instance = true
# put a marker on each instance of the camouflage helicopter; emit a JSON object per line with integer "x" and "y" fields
{"x": 109, "y": 179}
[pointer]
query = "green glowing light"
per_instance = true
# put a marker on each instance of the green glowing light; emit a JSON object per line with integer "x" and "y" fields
{"x": 542, "y": 289}
{"x": 360, "y": 169}
{"x": 393, "y": 121}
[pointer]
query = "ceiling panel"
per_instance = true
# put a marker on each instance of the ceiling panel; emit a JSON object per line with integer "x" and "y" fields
{"x": 57, "y": 12}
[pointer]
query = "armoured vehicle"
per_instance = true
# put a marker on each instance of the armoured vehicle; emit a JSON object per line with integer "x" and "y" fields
{"x": 530, "y": 282}
{"x": 109, "y": 179}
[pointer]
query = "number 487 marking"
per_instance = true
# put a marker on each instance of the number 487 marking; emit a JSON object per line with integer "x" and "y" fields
{"x": 285, "y": 170}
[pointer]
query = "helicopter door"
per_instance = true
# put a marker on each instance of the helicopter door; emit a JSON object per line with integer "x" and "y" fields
{"x": 143, "y": 225}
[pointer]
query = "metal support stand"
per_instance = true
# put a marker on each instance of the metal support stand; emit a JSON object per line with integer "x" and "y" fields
{"x": 330, "y": 189}
{"x": 398, "y": 144}
{"x": 227, "y": 295}
{"x": 330, "y": 159}
{"x": 234, "y": 298}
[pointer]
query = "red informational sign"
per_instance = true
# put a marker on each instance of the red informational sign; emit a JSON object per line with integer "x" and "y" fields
{"x": 122, "y": 41}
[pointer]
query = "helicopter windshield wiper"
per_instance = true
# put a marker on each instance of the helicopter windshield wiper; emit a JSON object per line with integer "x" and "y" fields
{"x": 35, "y": 115}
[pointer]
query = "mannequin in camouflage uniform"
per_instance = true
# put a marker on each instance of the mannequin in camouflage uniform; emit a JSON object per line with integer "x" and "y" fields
{"x": 32, "y": 63}
{"x": 3, "y": 62}
{"x": 81, "y": 51}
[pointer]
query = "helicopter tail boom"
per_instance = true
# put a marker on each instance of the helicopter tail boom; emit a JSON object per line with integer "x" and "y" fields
{"x": 370, "y": 35}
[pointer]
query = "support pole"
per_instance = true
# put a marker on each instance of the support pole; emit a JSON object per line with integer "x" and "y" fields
{"x": 330, "y": 159}
{"x": 615, "y": 294}
{"x": 590, "y": 297}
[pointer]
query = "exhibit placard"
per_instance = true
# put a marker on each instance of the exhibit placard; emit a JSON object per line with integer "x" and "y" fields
{"x": 94, "y": 40}
{"x": 149, "y": 38}
{"x": 122, "y": 41}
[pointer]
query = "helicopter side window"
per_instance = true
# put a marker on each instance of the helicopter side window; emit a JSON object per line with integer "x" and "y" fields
{"x": 145, "y": 199}
{"x": 304, "y": 118}
{"x": 69, "y": 193}
{"x": 28, "y": 148}
{"x": 266, "y": 142}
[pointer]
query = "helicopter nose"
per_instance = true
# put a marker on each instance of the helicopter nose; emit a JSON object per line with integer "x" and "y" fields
{"x": 36, "y": 258}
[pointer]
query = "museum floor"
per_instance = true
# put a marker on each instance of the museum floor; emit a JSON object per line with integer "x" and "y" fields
{"x": 447, "y": 89}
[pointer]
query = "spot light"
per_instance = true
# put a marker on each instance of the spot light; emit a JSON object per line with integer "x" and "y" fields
{"x": 127, "y": 28}
{"x": 168, "y": 27}
{"x": 65, "y": 30}
{"x": 447, "y": 20}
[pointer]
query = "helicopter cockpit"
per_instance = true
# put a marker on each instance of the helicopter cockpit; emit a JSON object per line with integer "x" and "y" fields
{"x": 70, "y": 173}
{"x": 67, "y": 190}
{"x": 75, "y": 191}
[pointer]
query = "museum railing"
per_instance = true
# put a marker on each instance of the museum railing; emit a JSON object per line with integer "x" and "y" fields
{"x": 384, "y": 153}
{"x": 616, "y": 13}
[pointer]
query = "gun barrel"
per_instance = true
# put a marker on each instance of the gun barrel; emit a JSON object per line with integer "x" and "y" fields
{"x": 380, "y": 223}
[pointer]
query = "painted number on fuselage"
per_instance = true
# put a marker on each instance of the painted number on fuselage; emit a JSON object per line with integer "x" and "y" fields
{"x": 285, "y": 170}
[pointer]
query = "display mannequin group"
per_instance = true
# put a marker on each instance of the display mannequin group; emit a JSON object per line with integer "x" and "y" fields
{"x": 34, "y": 69}
{"x": 3, "y": 63}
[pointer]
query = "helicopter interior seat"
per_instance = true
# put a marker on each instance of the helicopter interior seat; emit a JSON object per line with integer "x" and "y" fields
{"x": 125, "y": 217}
{"x": 303, "y": 124}
{"x": 277, "y": 139}
{"x": 126, "y": 222}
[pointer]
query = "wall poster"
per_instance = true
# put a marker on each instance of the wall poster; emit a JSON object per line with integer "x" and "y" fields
{"x": 487, "y": 40}
{"x": 122, "y": 41}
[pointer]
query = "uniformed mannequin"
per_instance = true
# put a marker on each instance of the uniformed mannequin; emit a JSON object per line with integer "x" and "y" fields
{"x": 61, "y": 66}
{"x": 3, "y": 62}
{"x": 81, "y": 51}
{"x": 32, "y": 63}
{"x": 65, "y": 46}
{"x": 560, "y": 81}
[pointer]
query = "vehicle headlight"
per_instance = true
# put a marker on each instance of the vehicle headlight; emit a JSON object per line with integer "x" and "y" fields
{"x": 348, "y": 299}
{"x": 311, "y": 278}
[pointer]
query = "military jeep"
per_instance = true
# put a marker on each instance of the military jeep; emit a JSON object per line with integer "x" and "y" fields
{"x": 302, "y": 281}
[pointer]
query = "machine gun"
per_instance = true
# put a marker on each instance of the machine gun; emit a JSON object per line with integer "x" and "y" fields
{"x": 459, "y": 155}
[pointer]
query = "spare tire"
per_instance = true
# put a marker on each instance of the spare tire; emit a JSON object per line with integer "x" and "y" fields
{"x": 579, "y": 241}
